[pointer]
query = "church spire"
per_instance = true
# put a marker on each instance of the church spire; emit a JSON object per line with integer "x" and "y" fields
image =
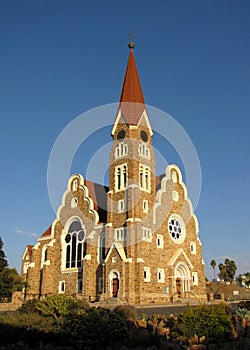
{"x": 132, "y": 102}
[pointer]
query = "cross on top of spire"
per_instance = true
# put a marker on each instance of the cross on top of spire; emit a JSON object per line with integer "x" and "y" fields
{"x": 131, "y": 45}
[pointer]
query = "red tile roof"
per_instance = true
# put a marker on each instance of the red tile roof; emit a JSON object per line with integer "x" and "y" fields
{"x": 47, "y": 232}
{"x": 132, "y": 100}
{"x": 30, "y": 249}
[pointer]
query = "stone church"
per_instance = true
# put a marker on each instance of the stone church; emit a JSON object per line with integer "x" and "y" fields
{"x": 136, "y": 240}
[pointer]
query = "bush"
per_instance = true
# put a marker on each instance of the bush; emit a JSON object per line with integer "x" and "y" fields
{"x": 60, "y": 305}
{"x": 211, "y": 321}
{"x": 127, "y": 312}
{"x": 29, "y": 307}
{"x": 95, "y": 327}
{"x": 28, "y": 327}
{"x": 244, "y": 304}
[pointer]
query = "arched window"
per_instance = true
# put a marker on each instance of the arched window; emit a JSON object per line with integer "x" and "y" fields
{"x": 75, "y": 245}
{"x": 144, "y": 177}
{"x": 121, "y": 177}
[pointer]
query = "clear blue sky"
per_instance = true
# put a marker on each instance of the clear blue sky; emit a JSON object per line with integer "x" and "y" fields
{"x": 60, "y": 58}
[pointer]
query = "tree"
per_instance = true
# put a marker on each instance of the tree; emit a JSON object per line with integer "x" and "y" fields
{"x": 213, "y": 264}
{"x": 3, "y": 261}
{"x": 244, "y": 279}
{"x": 10, "y": 281}
{"x": 227, "y": 270}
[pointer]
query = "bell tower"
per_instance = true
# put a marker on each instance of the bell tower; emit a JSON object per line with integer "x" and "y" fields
{"x": 132, "y": 167}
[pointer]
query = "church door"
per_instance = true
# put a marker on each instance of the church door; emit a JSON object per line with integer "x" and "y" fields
{"x": 178, "y": 287}
{"x": 115, "y": 287}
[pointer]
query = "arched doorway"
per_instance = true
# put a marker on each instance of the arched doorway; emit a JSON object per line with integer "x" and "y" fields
{"x": 182, "y": 279}
{"x": 114, "y": 283}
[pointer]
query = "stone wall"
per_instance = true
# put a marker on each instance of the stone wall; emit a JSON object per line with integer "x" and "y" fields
{"x": 16, "y": 302}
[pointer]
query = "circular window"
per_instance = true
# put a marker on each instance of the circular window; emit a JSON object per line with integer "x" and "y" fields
{"x": 121, "y": 135}
{"x": 176, "y": 229}
{"x": 144, "y": 136}
{"x": 81, "y": 235}
{"x": 68, "y": 238}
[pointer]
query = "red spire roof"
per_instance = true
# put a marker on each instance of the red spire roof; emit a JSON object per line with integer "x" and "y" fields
{"x": 132, "y": 100}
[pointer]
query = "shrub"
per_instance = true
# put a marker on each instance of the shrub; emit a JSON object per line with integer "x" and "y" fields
{"x": 244, "y": 304}
{"x": 60, "y": 305}
{"x": 127, "y": 312}
{"x": 212, "y": 321}
{"x": 95, "y": 327}
{"x": 30, "y": 328}
{"x": 29, "y": 307}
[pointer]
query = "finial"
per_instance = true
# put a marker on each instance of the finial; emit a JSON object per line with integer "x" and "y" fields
{"x": 131, "y": 45}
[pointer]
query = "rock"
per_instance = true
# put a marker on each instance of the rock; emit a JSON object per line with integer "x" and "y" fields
{"x": 198, "y": 347}
{"x": 142, "y": 323}
{"x": 202, "y": 339}
{"x": 162, "y": 323}
{"x": 194, "y": 340}
{"x": 160, "y": 331}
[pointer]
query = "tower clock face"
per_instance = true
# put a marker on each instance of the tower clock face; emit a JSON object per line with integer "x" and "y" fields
{"x": 121, "y": 135}
{"x": 176, "y": 229}
{"x": 144, "y": 136}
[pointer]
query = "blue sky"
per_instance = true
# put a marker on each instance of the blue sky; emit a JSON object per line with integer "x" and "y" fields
{"x": 62, "y": 58}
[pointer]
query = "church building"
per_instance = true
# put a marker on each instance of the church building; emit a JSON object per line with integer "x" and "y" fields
{"x": 135, "y": 241}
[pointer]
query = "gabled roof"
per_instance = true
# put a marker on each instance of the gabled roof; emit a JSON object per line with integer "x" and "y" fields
{"x": 30, "y": 249}
{"x": 132, "y": 102}
{"x": 47, "y": 232}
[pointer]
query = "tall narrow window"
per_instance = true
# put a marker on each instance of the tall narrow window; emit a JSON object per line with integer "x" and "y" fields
{"x": 118, "y": 178}
{"x": 102, "y": 247}
{"x": 121, "y": 177}
{"x": 147, "y": 178}
{"x": 141, "y": 176}
{"x": 120, "y": 234}
{"x": 121, "y": 205}
{"x": 144, "y": 151}
{"x": 121, "y": 150}
{"x": 75, "y": 245}
{"x": 144, "y": 177}
{"x": 145, "y": 205}
{"x": 61, "y": 287}
{"x": 125, "y": 176}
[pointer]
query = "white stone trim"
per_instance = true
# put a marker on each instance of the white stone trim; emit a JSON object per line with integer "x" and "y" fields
{"x": 195, "y": 279}
{"x": 119, "y": 248}
{"x": 146, "y": 270}
{"x": 176, "y": 256}
{"x": 161, "y": 239}
{"x": 60, "y": 291}
{"x": 146, "y": 118}
{"x": 87, "y": 257}
{"x": 85, "y": 190}
{"x": 161, "y": 275}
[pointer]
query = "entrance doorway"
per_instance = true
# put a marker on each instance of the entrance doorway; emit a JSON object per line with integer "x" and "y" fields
{"x": 114, "y": 283}
{"x": 178, "y": 287}
{"x": 182, "y": 280}
{"x": 115, "y": 287}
